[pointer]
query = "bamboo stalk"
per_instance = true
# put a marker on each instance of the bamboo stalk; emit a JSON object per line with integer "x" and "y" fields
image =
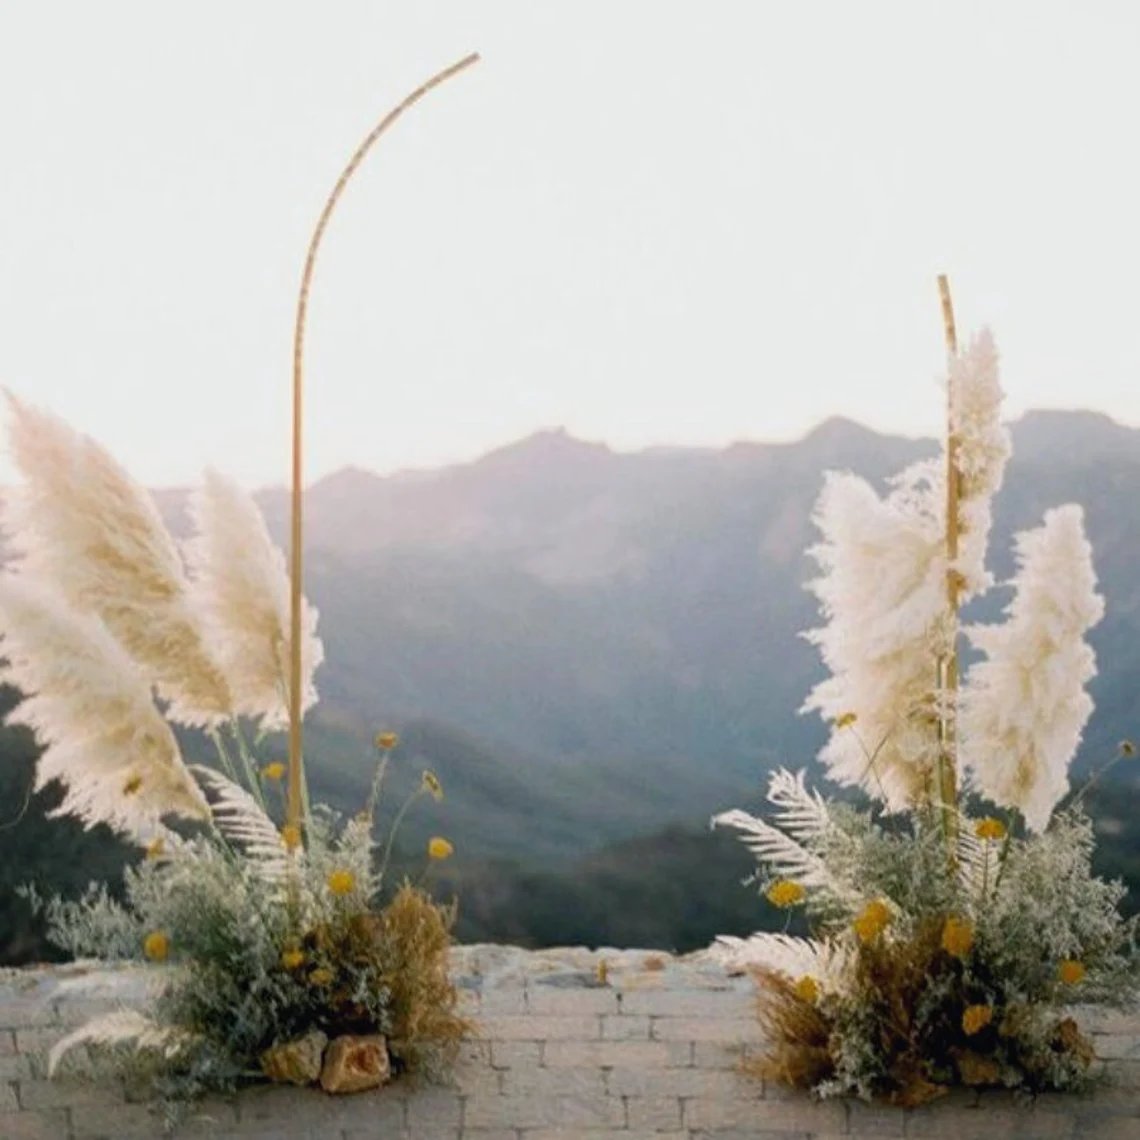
{"x": 296, "y": 560}
{"x": 948, "y": 665}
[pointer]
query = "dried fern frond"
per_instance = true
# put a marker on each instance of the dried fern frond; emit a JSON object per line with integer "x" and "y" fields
{"x": 91, "y": 708}
{"x": 242, "y": 590}
{"x": 243, "y": 821}
{"x": 787, "y": 954}
{"x": 121, "y": 1027}
{"x": 82, "y": 525}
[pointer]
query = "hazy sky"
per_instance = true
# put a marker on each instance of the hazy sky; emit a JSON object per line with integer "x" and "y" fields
{"x": 649, "y": 222}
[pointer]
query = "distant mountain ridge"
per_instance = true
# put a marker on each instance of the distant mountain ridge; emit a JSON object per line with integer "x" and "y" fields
{"x": 589, "y": 644}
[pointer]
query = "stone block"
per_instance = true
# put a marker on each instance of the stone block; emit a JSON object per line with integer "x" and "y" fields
{"x": 709, "y": 1113}
{"x": 579, "y": 1113}
{"x": 625, "y": 1028}
{"x": 704, "y": 1029}
{"x": 653, "y": 1113}
{"x": 512, "y": 1054}
{"x": 606, "y": 1054}
{"x": 541, "y": 1028}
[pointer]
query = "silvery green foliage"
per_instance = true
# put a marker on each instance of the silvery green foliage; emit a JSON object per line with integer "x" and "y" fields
{"x": 229, "y": 994}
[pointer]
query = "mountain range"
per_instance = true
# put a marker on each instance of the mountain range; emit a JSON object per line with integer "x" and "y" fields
{"x": 588, "y": 645}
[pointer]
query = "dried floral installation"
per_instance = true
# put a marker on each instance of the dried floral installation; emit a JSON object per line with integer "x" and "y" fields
{"x": 950, "y": 938}
{"x": 286, "y": 955}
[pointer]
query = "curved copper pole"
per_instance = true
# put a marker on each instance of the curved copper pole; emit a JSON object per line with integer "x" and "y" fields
{"x": 296, "y": 564}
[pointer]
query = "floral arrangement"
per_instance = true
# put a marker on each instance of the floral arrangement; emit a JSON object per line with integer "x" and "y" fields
{"x": 284, "y": 956}
{"x": 956, "y": 919}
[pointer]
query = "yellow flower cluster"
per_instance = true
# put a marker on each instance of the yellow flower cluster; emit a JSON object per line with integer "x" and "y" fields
{"x": 872, "y": 920}
{"x": 975, "y": 1018}
{"x": 807, "y": 990}
{"x": 321, "y": 976}
{"x": 958, "y": 937}
{"x": 291, "y": 959}
{"x": 1070, "y": 971}
{"x": 845, "y": 720}
{"x": 291, "y": 836}
{"x": 785, "y": 893}
{"x": 386, "y": 741}
{"x": 439, "y": 848}
{"x": 990, "y": 828}
{"x": 274, "y": 771}
{"x": 156, "y": 946}
{"x": 341, "y": 881}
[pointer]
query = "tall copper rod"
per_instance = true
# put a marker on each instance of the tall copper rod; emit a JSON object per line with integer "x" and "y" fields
{"x": 296, "y": 559}
{"x": 948, "y": 673}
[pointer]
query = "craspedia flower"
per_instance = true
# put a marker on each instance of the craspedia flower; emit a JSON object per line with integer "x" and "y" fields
{"x": 132, "y": 785}
{"x": 156, "y": 848}
{"x": 957, "y": 936}
{"x": 321, "y": 976}
{"x": 845, "y": 720}
{"x": 872, "y": 920}
{"x": 807, "y": 990}
{"x": 386, "y": 741}
{"x": 156, "y": 946}
{"x": 291, "y": 959}
{"x": 990, "y": 828}
{"x": 975, "y": 1018}
{"x": 340, "y": 881}
{"x": 430, "y": 784}
{"x": 274, "y": 771}
{"x": 785, "y": 893}
{"x": 291, "y": 836}
{"x": 439, "y": 848}
{"x": 1071, "y": 971}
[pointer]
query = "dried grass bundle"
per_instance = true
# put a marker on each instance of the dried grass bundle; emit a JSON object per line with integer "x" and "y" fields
{"x": 81, "y": 524}
{"x": 796, "y": 1030}
{"x": 241, "y": 588}
{"x": 426, "y": 1029}
{"x": 90, "y": 706}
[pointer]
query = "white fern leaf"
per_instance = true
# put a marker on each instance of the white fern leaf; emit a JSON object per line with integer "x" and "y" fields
{"x": 978, "y": 860}
{"x": 242, "y": 820}
{"x": 791, "y": 956}
{"x": 801, "y": 813}
{"x": 117, "y": 1028}
{"x": 777, "y": 850}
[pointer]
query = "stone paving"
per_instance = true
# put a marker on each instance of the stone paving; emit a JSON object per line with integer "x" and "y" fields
{"x": 643, "y": 1047}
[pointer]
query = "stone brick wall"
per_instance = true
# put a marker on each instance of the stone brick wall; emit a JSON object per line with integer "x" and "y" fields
{"x": 645, "y": 1049}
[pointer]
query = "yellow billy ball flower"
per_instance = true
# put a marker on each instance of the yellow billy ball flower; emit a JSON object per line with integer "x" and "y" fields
{"x": 989, "y": 828}
{"x": 957, "y": 937}
{"x": 975, "y": 1018}
{"x": 131, "y": 787}
{"x": 291, "y": 959}
{"x": 785, "y": 893}
{"x": 156, "y": 848}
{"x": 321, "y": 976}
{"x": 386, "y": 741}
{"x": 807, "y": 990}
{"x": 1070, "y": 971}
{"x": 431, "y": 784}
{"x": 341, "y": 881}
{"x": 872, "y": 920}
{"x": 439, "y": 848}
{"x": 274, "y": 771}
{"x": 291, "y": 836}
{"x": 846, "y": 720}
{"x": 156, "y": 946}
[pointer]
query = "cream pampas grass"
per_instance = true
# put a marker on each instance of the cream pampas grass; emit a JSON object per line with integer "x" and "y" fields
{"x": 82, "y": 525}
{"x": 1024, "y": 707}
{"x": 883, "y": 596}
{"x": 90, "y": 707}
{"x": 982, "y": 450}
{"x": 242, "y": 591}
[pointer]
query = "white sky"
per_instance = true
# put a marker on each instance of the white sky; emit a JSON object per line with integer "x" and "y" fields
{"x": 649, "y": 222}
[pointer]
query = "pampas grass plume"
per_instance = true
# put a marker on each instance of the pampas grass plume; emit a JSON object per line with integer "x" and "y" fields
{"x": 1024, "y": 707}
{"x": 91, "y": 708}
{"x": 82, "y": 525}
{"x": 241, "y": 588}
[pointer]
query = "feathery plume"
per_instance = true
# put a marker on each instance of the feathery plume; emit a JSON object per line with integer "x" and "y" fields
{"x": 242, "y": 589}
{"x": 91, "y": 708}
{"x": 81, "y": 524}
{"x": 1024, "y": 707}
{"x": 792, "y": 956}
{"x": 982, "y": 449}
{"x": 118, "y": 1028}
{"x": 883, "y": 596}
